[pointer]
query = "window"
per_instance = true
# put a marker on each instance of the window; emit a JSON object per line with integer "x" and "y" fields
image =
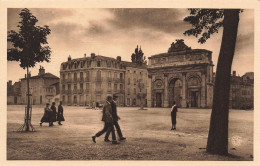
{"x": 134, "y": 81}
{"x": 69, "y": 75}
{"x": 109, "y": 85}
{"x": 128, "y": 91}
{"x": 87, "y": 85}
{"x": 98, "y": 63}
{"x": 115, "y": 87}
{"x": 81, "y": 64}
{"x": 134, "y": 91}
{"x": 75, "y": 65}
{"x": 109, "y": 74}
{"x": 75, "y": 76}
{"x": 63, "y": 99}
{"x": 87, "y": 76}
{"x": 98, "y": 75}
{"x": 75, "y": 86}
{"x": 88, "y": 63}
{"x": 128, "y": 81}
{"x": 81, "y": 86}
{"x": 134, "y": 101}
{"x": 64, "y": 67}
{"x": 81, "y": 75}
{"x": 121, "y": 76}
{"x": 63, "y": 87}
{"x": 63, "y": 76}
{"x": 108, "y": 64}
{"x": 69, "y": 99}
{"x": 128, "y": 101}
{"x": 75, "y": 99}
{"x": 115, "y": 75}
{"x": 98, "y": 86}
{"x": 121, "y": 87}
{"x": 69, "y": 87}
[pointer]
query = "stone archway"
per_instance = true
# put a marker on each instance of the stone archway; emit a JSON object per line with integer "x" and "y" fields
{"x": 194, "y": 91}
{"x": 175, "y": 91}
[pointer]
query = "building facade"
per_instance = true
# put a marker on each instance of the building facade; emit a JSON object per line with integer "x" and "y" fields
{"x": 242, "y": 91}
{"x": 183, "y": 75}
{"x": 14, "y": 93}
{"x": 88, "y": 81}
{"x": 43, "y": 88}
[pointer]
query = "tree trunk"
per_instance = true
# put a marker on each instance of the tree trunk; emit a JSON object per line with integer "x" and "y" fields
{"x": 218, "y": 131}
{"x": 28, "y": 102}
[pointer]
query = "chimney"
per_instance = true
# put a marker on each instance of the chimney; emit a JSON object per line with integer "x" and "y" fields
{"x": 92, "y": 55}
{"x": 85, "y": 55}
{"x": 29, "y": 74}
{"x": 118, "y": 58}
{"x": 10, "y": 82}
{"x": 234, "y": 73}
{"x": 69, "y": 58}
{"x": 41, "y": 71}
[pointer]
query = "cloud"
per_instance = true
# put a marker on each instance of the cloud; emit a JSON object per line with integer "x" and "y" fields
{"x": 165, "y": 20}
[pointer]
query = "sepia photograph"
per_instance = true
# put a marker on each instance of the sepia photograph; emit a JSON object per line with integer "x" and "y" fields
{"x": 130, "y": 84}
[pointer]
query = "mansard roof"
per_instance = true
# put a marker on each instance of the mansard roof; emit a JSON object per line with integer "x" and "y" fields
{"x": 44, "y": 76}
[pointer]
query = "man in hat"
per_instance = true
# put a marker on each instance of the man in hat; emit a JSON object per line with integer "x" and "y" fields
{"x": 116, "y": 118}
{"x": 108, "y": 126}
{"x": 46, "y": 115}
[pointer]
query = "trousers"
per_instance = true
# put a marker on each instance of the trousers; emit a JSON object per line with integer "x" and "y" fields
{"x": 108, "y": 127}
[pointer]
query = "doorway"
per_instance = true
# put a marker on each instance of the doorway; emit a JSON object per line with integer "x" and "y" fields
{"x": 194, "y": 99}
{"x": 158, "y": 100}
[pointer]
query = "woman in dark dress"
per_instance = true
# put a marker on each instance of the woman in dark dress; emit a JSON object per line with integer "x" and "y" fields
{"x": 46, "y": 115}
{"x": 60, "y": 116}
{"x": 173, "y": 115}
{"x": 54, "y": 113}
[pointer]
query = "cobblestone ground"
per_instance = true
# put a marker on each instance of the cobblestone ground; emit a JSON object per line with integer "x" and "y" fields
{"x": 147, "y": 131}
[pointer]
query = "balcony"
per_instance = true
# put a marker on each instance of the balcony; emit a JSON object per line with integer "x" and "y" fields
{"x": 121, "y": 80}
{"x": 75, "y": 91}
{"x": 109, "y": 79}
{"x": 81, "y": 79}
{"x": 80, "y": 91}
{"x": 98, "y": 91}
{"x": 87, "y": 79}
{"x": 69, "y": 80}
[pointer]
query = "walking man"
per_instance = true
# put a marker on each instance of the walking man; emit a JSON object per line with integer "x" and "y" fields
{"x": 54, "y": 113}
{"x": 116, "y": 118}
{"x": 47, "y": 115}
{"x": 60, "y": 116}
{"x": 108, "y": 120}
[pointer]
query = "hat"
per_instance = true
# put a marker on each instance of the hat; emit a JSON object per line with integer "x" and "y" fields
{"x": 47, "y": 103}
{"x": 115, "y": 96}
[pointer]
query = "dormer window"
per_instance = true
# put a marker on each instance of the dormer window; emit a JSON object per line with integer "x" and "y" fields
{"x": 98, "y": 64}
{"x": 75, "y": 65}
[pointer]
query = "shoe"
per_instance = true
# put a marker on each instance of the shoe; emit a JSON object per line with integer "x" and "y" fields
{"x": 122, "y": 138}
{"x": 60, "y": 124}
{"x": 94, "y": 139}
{"x": 107, "y": 140}
{"x": 115, "y": 142}
{"x": 41, "y": 124}
{"x": 174, "y": 129}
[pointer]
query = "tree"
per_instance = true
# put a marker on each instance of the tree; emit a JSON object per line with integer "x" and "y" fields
{"x": 28, "y": 47}
{"x": 207, "y": 22}
{"x": 138, "y": 57}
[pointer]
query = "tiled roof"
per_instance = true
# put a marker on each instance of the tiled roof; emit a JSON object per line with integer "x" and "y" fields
{"x": 44, "y": 76}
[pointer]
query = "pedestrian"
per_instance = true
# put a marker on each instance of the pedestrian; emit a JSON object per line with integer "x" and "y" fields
{"x": 53, "y": 114}
{"x": 108, "y": 123}
{"x": 46, "y": 115}
{"x": 60, "y": 116}
{"x": 173, "y": 115}
{"x": 116, "y": 118}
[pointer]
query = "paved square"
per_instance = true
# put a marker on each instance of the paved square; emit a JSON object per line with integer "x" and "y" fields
{"x": 147, "y": 131}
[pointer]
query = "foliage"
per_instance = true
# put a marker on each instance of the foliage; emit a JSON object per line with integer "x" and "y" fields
{"x": 28, "y": 41}
{"x": 138, "y": 57}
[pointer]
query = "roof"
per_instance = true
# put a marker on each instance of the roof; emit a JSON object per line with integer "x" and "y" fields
{"x": 44, "y": 76}
{"x": 179, "y": 53}
{"x": 135, "y": 65}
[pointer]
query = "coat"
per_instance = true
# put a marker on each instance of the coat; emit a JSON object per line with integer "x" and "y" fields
{"x": 46, "y": 115}
{"x": 173, "y": 114}
{"x": 107, "y": 113}
{"x": 60, "y": 116}
{"x": 54, "y": 113}
{"x": 114, "y": 111}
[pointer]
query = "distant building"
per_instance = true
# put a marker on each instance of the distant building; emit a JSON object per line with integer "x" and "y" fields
{"x": 242, "y": 91}
{"x": 183, "y": 75}
{"x": 14, "y": 93}
{"x": 43, "y": 88}
{"x": 89, "y": 80}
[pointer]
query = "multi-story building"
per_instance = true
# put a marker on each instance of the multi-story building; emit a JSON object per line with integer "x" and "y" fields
{"x": 44, "y": 88}
{"x": 89, "y": 80}
{"x": 183, "y": 75}
{"x": 242, "y": 91}
{"x": 14, "y": 93}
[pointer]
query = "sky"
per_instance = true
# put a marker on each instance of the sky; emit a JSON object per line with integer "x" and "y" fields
{"x": 117, "y": 32}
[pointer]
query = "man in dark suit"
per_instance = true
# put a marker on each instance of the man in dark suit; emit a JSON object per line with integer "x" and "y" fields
{"x": 173, "y": 115}
{"x": 116, "y": 118}
{"x": 108, "y": 126}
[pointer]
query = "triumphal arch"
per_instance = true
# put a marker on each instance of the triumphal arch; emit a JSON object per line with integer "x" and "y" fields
{"x": 183, "y": 75}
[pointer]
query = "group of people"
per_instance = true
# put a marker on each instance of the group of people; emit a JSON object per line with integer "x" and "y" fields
{"x": 51, "y": 115}
{"x": 110, "y": 118}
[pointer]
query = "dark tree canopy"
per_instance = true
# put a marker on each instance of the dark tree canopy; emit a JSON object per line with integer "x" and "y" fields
{"x": 28, "y": 43}
{"x": 138, "y": 56}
